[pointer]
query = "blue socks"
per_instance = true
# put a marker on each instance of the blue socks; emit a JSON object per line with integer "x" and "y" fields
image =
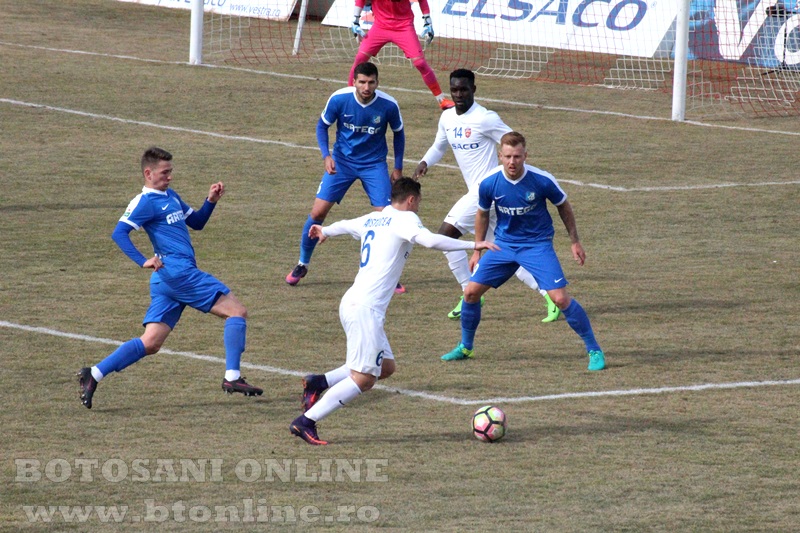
{"x": 470, "y": 318}
{"x": 133, "y": 350}
{"x": 122, "y": 357}
{"x": 578, "y": 320}
{"x": 307, "y": 244}
{"x": 234, "y": 340}
{"x": 576, "y": 317}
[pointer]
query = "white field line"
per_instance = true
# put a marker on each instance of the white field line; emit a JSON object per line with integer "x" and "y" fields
{"x": 178, "y": 128}
{"x": 398, "y": 89}
{"x": 425, "y": 395}
{"x": 409, "y": 161}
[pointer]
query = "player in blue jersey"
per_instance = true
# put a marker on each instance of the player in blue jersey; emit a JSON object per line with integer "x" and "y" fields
{"x": 363, "y": 116}
{"x": 473, "y": 133}
{"x": 176, "y": 281}
{"x": 524, "y": 234}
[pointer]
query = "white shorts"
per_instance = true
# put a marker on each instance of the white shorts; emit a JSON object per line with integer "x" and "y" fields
{"x": 367, "y": 345}
{"x": 462, "y": 215}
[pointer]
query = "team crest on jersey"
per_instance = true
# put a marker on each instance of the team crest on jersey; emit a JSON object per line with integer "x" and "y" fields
{"x": 467, "y": 132}
{"x": 376, "y": 119}
{"x": 531, "y": 196}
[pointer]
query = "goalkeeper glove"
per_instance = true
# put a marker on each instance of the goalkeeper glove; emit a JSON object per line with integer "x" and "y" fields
{"x": 427, "y": 29}
{"x": 356, "y": 28}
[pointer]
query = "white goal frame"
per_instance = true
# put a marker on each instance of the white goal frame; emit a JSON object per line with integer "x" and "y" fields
{"x": 680, "y": 66}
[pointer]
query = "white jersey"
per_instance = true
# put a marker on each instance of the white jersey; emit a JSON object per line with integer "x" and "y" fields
{"x": 387, "y": 238}
{"x": 473, "y": 137}
{"x": 386, "y": 241}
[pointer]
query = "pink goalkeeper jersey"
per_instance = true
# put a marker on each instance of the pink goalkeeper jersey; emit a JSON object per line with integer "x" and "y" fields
{"x": 394, "y": 14}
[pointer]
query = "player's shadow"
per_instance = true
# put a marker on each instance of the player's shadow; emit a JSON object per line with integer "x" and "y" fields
{"x": 611, "y": 425}
{"x": 62, "y": 206}
{"x": 661, "y": 306}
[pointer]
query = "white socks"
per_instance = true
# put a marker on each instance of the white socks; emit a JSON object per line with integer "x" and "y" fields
{"x": 526, "y": 278}
{"x": 459, "y": 265}
{"x": 336, "y": 375}
{"x": 337, "y": 396}
{"x": 96, "y": 374}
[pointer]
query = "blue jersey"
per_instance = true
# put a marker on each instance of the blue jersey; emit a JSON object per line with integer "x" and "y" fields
{"x": 521, "y": 207}
{"x": 162, "y": 215}
{"x": 361, "y": 128}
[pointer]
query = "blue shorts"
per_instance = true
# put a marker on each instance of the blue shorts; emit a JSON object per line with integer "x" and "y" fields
{"x": 374, "y": 178}
{"x": 196, "y": 289}
{"x": 539, "y": 259}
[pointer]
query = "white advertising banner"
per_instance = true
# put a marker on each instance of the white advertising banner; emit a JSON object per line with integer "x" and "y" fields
{"x": 641, "y": 28}
{"x": 265, "y": 9}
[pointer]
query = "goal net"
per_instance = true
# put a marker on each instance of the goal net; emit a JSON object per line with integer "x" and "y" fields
{"x": 743, "y": 55}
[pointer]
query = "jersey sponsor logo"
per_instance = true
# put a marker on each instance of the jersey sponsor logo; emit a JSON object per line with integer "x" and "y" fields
{"x": 370, "y": 130}
{"x": 531, "y": 196}
{"x": 465, "y": 146}
{"x": 165, "y": 207}
{"x": 514, "y": 211}
{"x": 177, "y": 216}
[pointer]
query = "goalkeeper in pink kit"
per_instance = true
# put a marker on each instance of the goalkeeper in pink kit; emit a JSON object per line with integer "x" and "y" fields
{"x": 394, "y": 23}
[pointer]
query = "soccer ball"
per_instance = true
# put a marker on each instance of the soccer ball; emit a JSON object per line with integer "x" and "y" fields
{"x": 489, "y": 423}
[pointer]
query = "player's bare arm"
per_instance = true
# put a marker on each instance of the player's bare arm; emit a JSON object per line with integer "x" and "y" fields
{"x": 481, "y": 227}
{"x": 568, "y": 218}
{"x": 215, "y": 192}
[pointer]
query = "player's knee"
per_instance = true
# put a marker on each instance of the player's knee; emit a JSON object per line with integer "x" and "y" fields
{"x": 151, "y": 346}
{"x": 561, "y": 298}
{"x": 318, "y": 213}
{"x": 237, "y": 309}
{"x": 364, "y": 381}
{"x": 387, "y": 368}
{"x": 473, "y": 293}
{"x": 449, "y": 230}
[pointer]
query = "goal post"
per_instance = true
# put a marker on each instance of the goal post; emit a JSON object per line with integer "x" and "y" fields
{"x": 712, "y": 56}
{"x": 196, "y": 34}
{"x": 681, "y": 61}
